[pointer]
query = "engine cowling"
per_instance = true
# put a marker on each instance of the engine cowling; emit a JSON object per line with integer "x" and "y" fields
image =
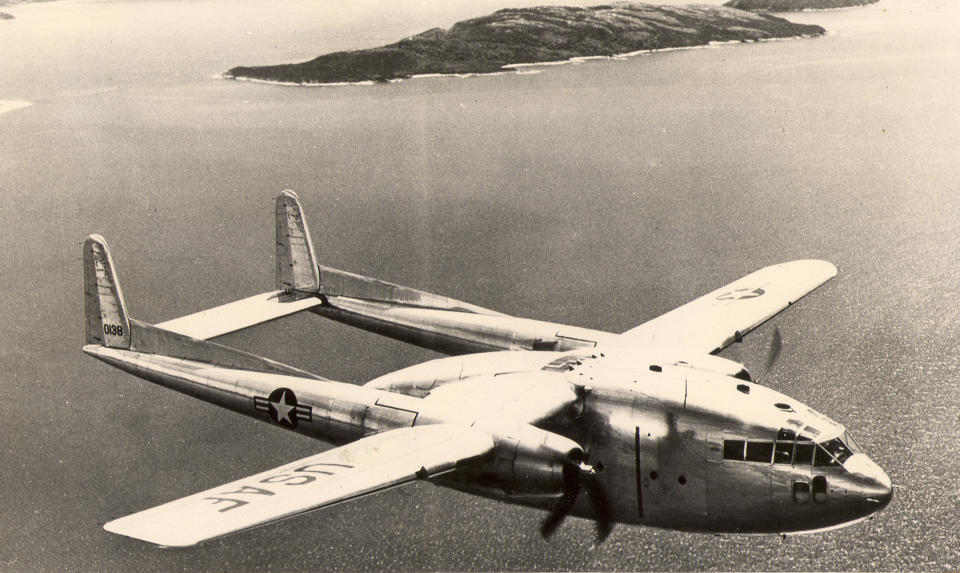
{"x": 531, "y": 461}
{"x": 717, "y": 365}
{"x": 421, "y": 379}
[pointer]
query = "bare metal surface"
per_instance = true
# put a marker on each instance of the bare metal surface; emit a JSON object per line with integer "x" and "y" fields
{"x": 648, "y": 441}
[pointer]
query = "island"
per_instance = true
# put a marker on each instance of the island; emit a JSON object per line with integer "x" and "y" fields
{"x": 509, "y": 37}
{"x": 794, "y": 5}
{"x": 8, "y": 3}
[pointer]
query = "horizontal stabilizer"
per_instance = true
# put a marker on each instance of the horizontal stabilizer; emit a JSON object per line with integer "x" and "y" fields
{"x": 238, "y": 315}
{"x": 363, "y": 467}
{"x": 108, "y": 325}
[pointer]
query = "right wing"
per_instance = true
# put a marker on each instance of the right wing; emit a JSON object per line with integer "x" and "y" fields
{"x": 366, "y": 466}
{"x": 717, "y": 319}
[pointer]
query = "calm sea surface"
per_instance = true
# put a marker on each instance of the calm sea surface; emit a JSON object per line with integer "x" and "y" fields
{"x": 599, "y": 194}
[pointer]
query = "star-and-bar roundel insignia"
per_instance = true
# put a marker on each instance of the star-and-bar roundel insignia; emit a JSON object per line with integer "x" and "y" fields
{"x": 282, "y": 407}
{"x": 741, "y": 294}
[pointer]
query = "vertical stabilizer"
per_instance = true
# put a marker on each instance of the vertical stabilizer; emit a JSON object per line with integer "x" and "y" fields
{"x": 296, "y": 260}
{"x": 105, "y": 312}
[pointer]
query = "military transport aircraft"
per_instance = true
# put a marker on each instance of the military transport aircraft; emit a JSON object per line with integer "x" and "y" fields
{"x": 647, "y": 427}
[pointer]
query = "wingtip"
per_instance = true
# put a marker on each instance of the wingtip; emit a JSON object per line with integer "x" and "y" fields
{"x": 829, "y": 268}
{"x": 833, "y": 268}
{"x": 117, "y": 527}
{"x": 819, "y": 266}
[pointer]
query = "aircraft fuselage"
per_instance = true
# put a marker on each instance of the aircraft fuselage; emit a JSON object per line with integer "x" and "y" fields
{"x": 663, "y": 438}
{"x": 649, "y": 426}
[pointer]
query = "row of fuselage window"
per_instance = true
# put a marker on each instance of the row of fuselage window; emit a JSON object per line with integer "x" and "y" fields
{"x": 799, "y": 453}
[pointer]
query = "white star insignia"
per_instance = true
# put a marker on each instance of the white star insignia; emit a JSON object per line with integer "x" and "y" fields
{"x": 283, "y": 409}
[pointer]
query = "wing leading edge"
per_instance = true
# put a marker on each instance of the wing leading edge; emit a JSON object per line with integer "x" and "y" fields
{"x": 717, "y": 319}
{"x": 367, "y": 466}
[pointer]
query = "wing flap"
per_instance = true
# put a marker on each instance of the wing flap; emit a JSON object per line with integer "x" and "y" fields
{"x": 237, "y": 315}
{"x": 366, "y": 466}
{"x": 715, "y": 320}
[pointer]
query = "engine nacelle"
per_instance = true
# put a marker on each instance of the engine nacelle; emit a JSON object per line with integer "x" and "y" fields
{"x": 421, "y": 379}
{"x": 530, "y": 461}
{"x": 717, "y": 365}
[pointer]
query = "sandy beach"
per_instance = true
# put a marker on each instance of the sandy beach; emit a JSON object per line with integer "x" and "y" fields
{"x": 7, "y": 106}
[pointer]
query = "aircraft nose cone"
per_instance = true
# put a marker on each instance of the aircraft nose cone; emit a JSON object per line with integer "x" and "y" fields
{"x": 884, "y": 488}
{"x": 875, "y": 485}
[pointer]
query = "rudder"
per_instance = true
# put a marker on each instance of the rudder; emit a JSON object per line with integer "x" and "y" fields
{"x": 296, "y": 260}
{"x": 105, "y": 313}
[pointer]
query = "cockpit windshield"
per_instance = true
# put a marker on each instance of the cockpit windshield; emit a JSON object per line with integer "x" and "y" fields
{"x": 792, "y": 448}
{"x": 854, "y": 446}
{"x": 831, "y": 453}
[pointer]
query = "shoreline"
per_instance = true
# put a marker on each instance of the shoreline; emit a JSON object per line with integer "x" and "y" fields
{"x": 518, "y": 68}
{"x": 6, "y": 106}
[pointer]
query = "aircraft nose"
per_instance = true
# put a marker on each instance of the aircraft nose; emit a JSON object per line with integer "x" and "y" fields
{"x": 885, "y": 489}
{"x": 874, "y": 483}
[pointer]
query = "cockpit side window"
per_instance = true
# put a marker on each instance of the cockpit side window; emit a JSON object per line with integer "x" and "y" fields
{"x": 733, "y": 449}
{"x": 750, "y": 451}
{"x": 759, "y": 451}
{"x": 822, "y": 458}
{"x": 803, "y": 455}
{"x": 783, "y": 449}
{"x": 783, "y": 452}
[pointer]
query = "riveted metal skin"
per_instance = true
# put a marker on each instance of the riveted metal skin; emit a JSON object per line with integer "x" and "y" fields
{"x": 651, "y": 423}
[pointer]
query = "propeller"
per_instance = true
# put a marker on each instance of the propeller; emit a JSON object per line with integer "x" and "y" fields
{"x": 579, "y": 476}
{"x": 776, "y": 345}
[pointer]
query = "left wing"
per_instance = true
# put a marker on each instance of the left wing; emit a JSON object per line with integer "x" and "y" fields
{"x": 363, "y": 467}
{"x": 715, "y": 320}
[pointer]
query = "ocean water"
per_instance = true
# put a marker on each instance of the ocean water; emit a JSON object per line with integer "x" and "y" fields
{"x": 599, "y": 194}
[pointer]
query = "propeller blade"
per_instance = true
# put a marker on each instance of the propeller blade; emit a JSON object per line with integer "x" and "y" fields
{"x": 579, "y": 476}
{"x": 601, "y": 510}
{"x": 556, "y": 517}
{"x": 776, "y": 345}
{"x": 571, "y": 490}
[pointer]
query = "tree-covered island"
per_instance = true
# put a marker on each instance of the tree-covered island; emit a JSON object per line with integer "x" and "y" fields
{"x": 543, "y": 34}
{"x": 794, "y": 5}
{"x": 7, "y": 3}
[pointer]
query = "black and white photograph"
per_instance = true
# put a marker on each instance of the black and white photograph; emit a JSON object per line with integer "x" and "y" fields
{"x": 479, "y": 285}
